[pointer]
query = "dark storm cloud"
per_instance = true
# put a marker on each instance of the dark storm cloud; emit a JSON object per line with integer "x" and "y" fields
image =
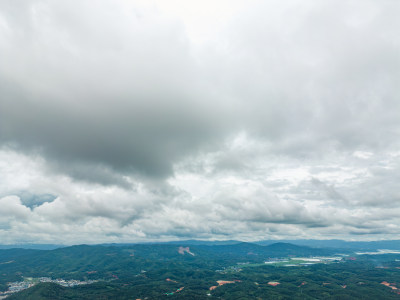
{"x": 88, "y": 94}
{"x": 231, "y": 119}
{"x": 122, "y": 92}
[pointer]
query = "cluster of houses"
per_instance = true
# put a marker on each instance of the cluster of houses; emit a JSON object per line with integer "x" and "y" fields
{"x": 14, "y": 287}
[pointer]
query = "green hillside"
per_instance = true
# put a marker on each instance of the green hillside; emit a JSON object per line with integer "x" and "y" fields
{"x": 174, "y": 271}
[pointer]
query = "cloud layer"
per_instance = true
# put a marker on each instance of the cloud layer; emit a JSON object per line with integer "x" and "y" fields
{"x": 138, "y": 120}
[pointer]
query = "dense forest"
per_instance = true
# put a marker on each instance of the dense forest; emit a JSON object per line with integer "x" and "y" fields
{"x": 172, "y": 271}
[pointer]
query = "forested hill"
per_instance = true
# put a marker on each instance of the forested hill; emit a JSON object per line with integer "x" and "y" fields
{"x": 202, "y": 271}
{"x": 107, "y": 262}
{"x": 43, "y": 291}
{"x": 82, "y": 257}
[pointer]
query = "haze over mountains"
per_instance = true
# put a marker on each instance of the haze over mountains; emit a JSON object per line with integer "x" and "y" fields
{"x": 355, "y": 245}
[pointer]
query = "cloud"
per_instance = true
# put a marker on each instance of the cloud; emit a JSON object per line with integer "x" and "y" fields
{"x": 113, "y": 102}
{"x": 143, "y": 120}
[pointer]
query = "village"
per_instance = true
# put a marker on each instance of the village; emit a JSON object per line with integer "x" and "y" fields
{"x": 17, "y": 286}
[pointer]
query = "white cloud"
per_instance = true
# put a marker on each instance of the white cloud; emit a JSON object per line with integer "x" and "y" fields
{"x": 142, "y": 120}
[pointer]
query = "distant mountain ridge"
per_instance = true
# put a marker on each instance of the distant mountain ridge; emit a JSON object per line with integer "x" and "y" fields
{"x": 333, "y": 243}
{"x": 32, "y": 246}
{"x": 355, "y": 245}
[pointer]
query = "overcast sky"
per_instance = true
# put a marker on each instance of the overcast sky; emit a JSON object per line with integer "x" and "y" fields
{"x": 127, "y": 121}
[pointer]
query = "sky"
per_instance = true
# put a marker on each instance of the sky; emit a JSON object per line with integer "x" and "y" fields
{"x": 134, "y": 121}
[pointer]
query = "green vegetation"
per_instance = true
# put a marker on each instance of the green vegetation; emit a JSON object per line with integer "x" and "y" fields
{"x": 159, "y": 272}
